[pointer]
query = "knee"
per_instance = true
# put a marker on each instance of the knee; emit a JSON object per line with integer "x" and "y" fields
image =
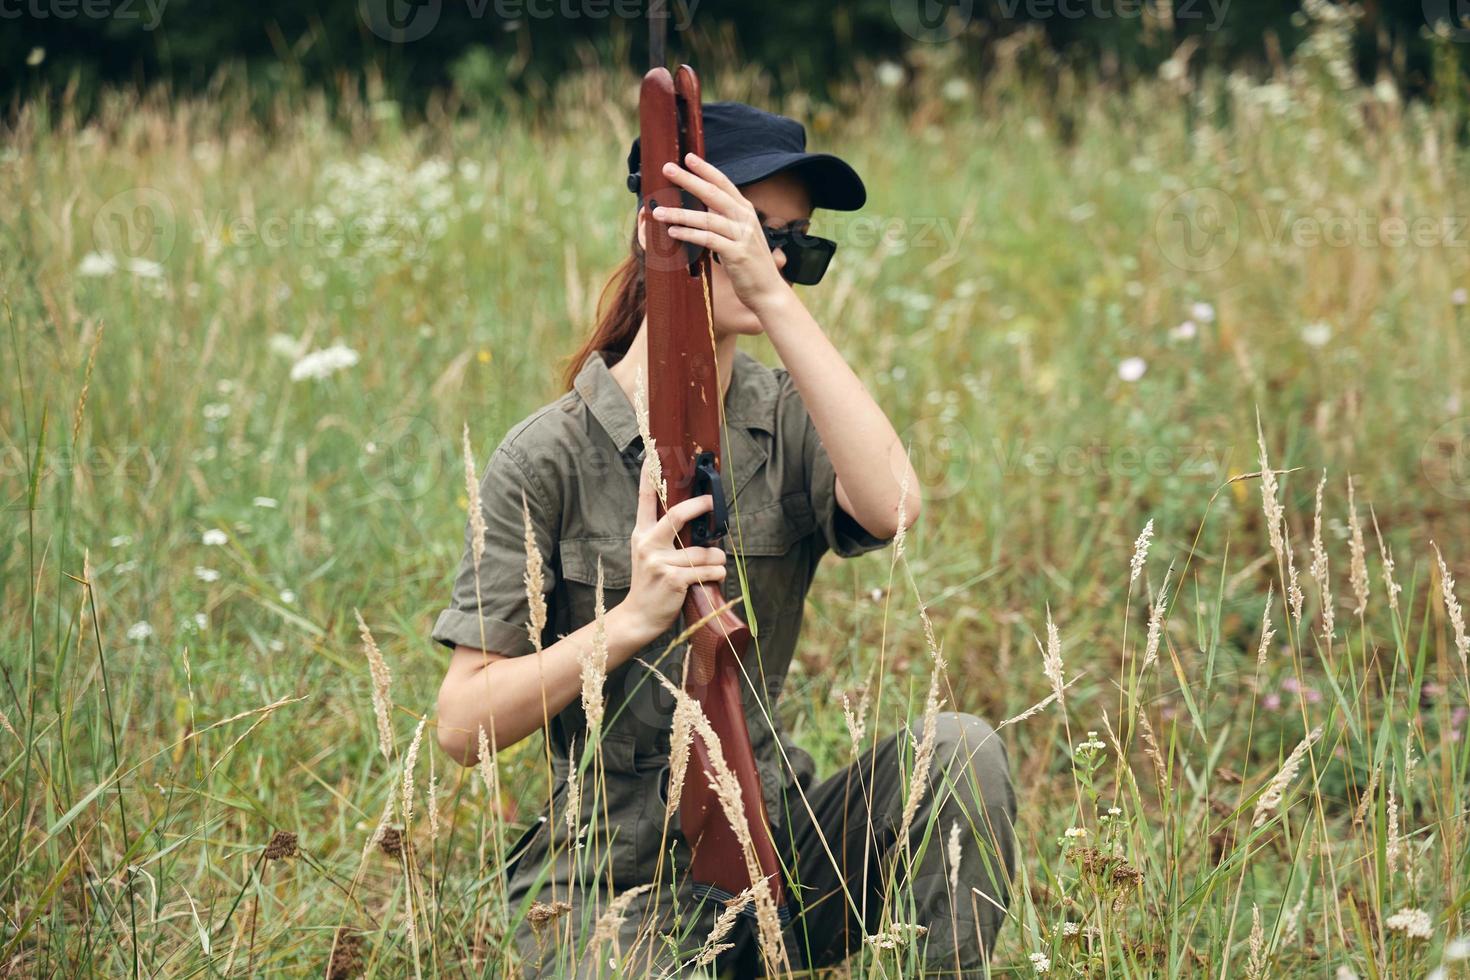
{"x": 965, "y": 742}
{"x": 970, "y": 735}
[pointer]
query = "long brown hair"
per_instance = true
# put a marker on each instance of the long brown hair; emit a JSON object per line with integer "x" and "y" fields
{"x": 619, "y": 313}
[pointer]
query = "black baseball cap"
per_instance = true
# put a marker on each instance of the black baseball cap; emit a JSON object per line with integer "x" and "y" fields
{"x": 749, "y": 144}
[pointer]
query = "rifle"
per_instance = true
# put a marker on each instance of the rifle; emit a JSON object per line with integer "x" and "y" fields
{"x": 685, "y": 409}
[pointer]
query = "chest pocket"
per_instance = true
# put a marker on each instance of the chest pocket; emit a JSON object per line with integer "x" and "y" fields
{"x": 772, "y": 541}
{"x": 639, "y": 711}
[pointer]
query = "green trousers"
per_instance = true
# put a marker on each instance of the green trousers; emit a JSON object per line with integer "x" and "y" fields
{"x": 849, "y": 876}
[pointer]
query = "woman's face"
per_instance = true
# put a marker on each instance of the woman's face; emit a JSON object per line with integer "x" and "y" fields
{"x": 781, "y": 201}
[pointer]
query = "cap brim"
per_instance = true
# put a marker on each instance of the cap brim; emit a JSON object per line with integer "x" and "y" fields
{"x": 832, "y": 182}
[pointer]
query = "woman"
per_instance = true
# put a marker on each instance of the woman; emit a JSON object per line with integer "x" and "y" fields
{"x": 813, "y": 464}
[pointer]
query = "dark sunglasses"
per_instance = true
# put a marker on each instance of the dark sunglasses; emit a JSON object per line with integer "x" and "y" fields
{"x": 807, "y": 256}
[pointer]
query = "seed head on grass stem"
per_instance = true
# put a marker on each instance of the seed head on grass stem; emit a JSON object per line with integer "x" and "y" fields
{"x": 1270, "y": 800}
{"x": 382, "y": 681}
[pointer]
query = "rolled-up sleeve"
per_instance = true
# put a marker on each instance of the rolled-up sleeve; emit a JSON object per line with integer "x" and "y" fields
{"x": 489, "y": 610}
{"x": 841, "y": 531}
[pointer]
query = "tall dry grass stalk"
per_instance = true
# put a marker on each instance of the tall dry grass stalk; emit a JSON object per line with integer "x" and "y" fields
{"x": 1034, "y": 710}
{"x": 380, "y": 829}
{"x": 1319, "y": 566}
{"x": 535, "y": 579}
{"x": 574, "y": 795}
{"x": 1366, "y": 800}
{"x": 593, "y": 661}
{"x": 1267, "y": 633}
{"x": 1140, "y": 552}
{"x": 901, "y": 536}
{"x": 1453, "y": 611}
{"x": 410, "y": 762}
{"x": 1385, "y": 558}
{"x": 1270, "y": 502}
{"x": 1255, "y": 968}
{"x": 410, "y": 905}
{"x": 1295, "y": 597}
{"x": 431, "y": 798}
{"x": 475, "y": 510}
{"x": 81, "y": 407}
{"x": 856, "y": 720}
{"x": 1051, "y": 659}
{"x": 923, "y": 757}
{"x": 1392, "y": 841}
{"x": 726, "y": 787}
{"x": 714, "y": 943}
{"x": 1156, "y": 624}
{"x": 954, "y": 854}
{"x": 382, "y": 682}
{"x": 486, "y": 765}
{"x": 1277, "y": 530}
{"x": 1270, "y": 800}
{"x": 1151, "y": 747}
{"x": 610, "y": 925}
{"x": 1358, "y": 561}
{"x": 681, "y": 739}
{"x": 650, "y": 449}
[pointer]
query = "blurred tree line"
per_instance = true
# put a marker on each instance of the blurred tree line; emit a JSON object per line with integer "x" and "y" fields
{"x": 486, "y": 48}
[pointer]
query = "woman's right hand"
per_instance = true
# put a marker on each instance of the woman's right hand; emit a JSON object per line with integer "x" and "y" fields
{"x": 662, "y": 572}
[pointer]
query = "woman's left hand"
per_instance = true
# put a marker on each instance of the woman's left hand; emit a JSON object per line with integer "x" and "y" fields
{"x": 730, "y": 229}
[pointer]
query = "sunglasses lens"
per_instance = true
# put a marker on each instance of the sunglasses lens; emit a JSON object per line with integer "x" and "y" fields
{"x": 807, "y": 256}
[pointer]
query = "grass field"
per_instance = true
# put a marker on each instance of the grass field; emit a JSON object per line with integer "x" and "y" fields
{"x": 1077, "y": 303}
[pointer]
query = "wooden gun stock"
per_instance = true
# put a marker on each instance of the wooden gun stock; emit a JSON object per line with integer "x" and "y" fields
{"x": 684, "y": 419}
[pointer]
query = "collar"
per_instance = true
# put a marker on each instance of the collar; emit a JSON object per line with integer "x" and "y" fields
{"x": 750, "y": 400}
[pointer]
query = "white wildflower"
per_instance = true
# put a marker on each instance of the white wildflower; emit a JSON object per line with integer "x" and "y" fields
{"x": 1092, "y": 744}
{"x": 1317, "y": 334}
{"x": 1041, "y": 963}
{"x": 145, "y": 268}
{"x": 956, "y": 90}
{"x": 97, "y": 264}
{"x": 204, "y": 574}
{"x": 285, "y": 345}
{"x": 1132, "y": 368}
{"x": 1203, "y": 312}
{"x": 214, "y": 536}
{"x": 322, "y": 363}
{"x": 1414, "y": 923}
{"x": 140, "y": 631}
